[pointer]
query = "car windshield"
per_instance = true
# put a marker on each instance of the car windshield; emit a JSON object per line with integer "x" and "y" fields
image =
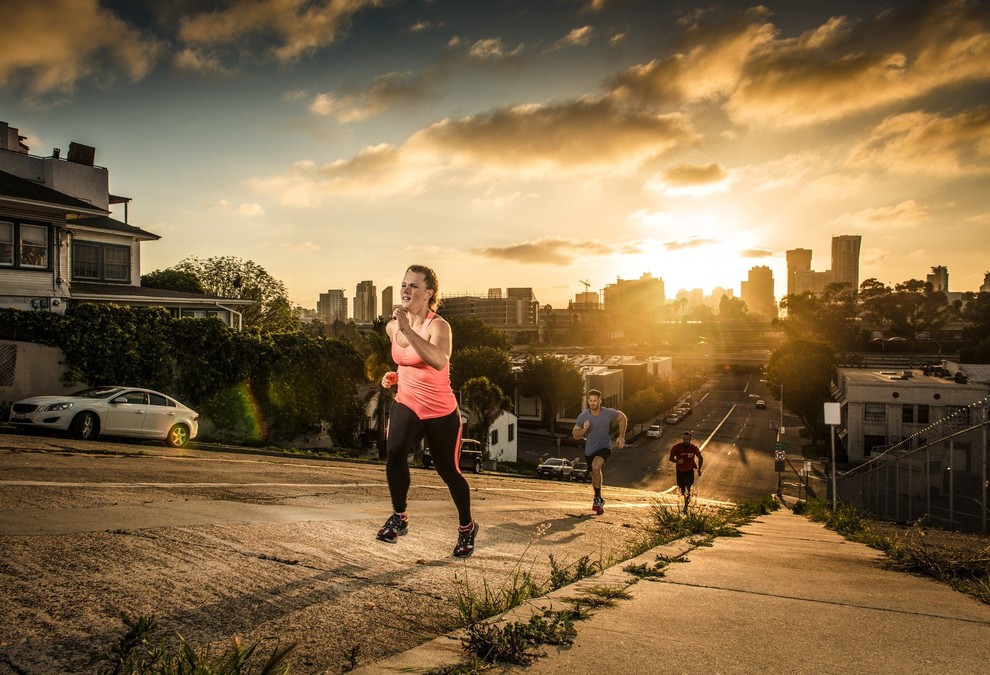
{"x": 553, "y": 462}
{"x": 98, "y": 392}
{"x": 580, "y": 465}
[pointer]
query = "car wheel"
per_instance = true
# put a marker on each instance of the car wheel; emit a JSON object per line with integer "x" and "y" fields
{"x": 178, "y": 436}
{"x": 85, "y": 425}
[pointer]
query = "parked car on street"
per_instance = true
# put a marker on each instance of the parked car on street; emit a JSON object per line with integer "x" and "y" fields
{"x": 760, "y": 403}
{"x": 580, "y": 471}
{"x": 110, "y": 411}
{"x": 471, "y": 456}
{"x": 555, "y": 468}
{"x": 654, "y": 431}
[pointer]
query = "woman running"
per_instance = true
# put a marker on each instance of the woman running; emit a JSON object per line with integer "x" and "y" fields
{"x": 424, "y": 405}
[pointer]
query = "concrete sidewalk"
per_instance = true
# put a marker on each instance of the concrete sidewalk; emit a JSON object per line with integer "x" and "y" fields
{"x": 787, "y": 596}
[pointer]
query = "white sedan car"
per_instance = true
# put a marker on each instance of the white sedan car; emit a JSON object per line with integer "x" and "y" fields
{"x": 113, "y": 411}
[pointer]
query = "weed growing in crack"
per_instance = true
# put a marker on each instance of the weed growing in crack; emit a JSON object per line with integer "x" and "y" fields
{"x": 515, "y": 642}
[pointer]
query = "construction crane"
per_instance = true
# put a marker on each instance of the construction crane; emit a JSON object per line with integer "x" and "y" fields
{"x": 587, "y": 284}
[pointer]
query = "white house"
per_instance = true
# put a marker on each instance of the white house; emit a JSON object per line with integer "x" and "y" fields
{"x": 882, "y": 407}
{"x": 59, "y": 244}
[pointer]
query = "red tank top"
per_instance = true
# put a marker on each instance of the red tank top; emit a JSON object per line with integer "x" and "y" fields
{"x": 422, "y": 388}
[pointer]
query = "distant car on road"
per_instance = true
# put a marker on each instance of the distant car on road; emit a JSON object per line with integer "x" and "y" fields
{"x": 111, "y": 411}
{"x": 555, "y": 468}
{"x": 580, "y": 471}
{"x": 760, "y": 403}
{"x": 471, "y": 456}
{"x": 673, "y": 418}
{"x": 654, "y": 431}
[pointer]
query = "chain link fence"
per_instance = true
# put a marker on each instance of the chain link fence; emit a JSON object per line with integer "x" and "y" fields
{"x": 939, "y": 474}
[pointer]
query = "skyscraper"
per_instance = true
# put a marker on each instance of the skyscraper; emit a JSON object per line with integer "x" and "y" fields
{"x": 798, "y": 260}
{"x": 939, "y": 279}
{"x": 845, "y": 260}
{"x": 365, "y": 302}
{"x": 757, "y": 291}
{"x": 387, "y": 305}
{"x": 332, "y": 306}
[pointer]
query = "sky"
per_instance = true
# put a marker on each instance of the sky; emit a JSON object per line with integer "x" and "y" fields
{"x": 522, "y": 143}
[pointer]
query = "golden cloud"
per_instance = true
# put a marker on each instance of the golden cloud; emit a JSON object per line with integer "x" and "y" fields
{"x": 693, "y": 242}
{"x": 300, "y": 26}
{"x": 920, "y": 142}
{"x": 558, "y": 136}
{"x": 352, "y": 104}
{"x": 53, "y": 44}
{"x": 546, "y": 250}
{"x": 842, "y": 68}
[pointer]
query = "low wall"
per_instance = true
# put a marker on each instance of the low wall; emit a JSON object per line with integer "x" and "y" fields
{"x": 29, "y": 369}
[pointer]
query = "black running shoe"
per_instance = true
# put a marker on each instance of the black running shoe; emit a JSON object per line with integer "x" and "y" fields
{"x": 465, "y": 541}
{"x": 598, "y": 506}
{"x": 393, "y": 528}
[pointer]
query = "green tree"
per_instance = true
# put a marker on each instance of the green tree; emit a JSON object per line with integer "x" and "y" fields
{"x": 471, "y": 332}
{"x": 490, "y": 362}
{"x": 804, "y": 368}
{"x": 555, "y": 381}
{"x": 486, "y": 401}
{"x": 173, "y": 280}
{"x": 830, "y": 317}
{"x": 642, "y": 406}
{"x": 731, "y": 308}
{"x": 230, "y": 277}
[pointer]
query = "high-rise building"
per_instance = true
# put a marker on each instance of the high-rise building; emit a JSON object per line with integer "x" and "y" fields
{"x": 640, "y": 300}
{"x": 798, "y": 261}
{"x": 845, "y": 260}
{"x": 757, "y": 292}
{"x": 365, "y": 302}
{"x": 985, "y": 288}
{"x": 517, "y": 314}
{"x": 332, "y": 306}
{"x": 939, "y": 279}
{"x": 387, "y": 305}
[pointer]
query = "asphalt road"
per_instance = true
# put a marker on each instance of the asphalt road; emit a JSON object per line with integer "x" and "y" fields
{"x": 735, "y": 437}
{"x": 216, "y": 544}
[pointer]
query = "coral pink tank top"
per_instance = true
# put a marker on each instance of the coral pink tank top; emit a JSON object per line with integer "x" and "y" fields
{"x": 422, "y": 388}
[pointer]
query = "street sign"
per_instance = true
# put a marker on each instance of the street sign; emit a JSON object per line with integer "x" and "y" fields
{"x": 778, "y": 455}
{"x": 778, "y": 466}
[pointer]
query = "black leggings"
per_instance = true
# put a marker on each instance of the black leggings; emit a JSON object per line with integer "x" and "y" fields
{"x": 443, "y": 434}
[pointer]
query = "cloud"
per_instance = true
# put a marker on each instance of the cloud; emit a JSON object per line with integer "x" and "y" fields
{"x": 579, "y": 37}
{"x": 546, "y": 250}
{"x": 250, "y": 210}
{"x": 197, "y": 61}
{"x": 295, "y": 27}
{"x": 928, "y": 143}
{"x": 491, "y": 49}
{"x": 531, "y": 141}
{"x": 906, "y": 215}
{"x": 301, "y": 246}
{"x": 842, "y": 68}
{"x": 693, "y": 242}
{"x": 755, "y": 253}
{"x": 692, "y": 180}
{"x": 577, "y": 134}
{"x": 52, "y": 45}
{"x": 831, "y": 71}
{"x": 352, "y": 104}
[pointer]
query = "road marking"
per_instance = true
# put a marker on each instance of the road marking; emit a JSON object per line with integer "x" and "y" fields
{"x": 715, "y": 430}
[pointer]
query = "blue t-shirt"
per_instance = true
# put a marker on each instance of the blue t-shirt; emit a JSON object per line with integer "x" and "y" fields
{"x": 597, "y": 437}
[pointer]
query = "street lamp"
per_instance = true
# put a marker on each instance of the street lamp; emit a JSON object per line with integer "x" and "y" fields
{"x": 780, "y": 422}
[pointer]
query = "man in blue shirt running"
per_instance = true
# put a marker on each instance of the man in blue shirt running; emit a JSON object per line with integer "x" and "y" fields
{"x": 595, "y": 426}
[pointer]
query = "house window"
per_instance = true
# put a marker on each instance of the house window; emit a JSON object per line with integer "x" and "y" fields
{"x": 907, "y": 414}
{"x": 494, "y": 437}
{"x": 6, "y": 243}
{"x": 24, "y": 245}
{"x": 875, "y": 412}
{"x": 923, "y": 413}
{"x": 100, "y": 262}
{"x": 512, "y": 433}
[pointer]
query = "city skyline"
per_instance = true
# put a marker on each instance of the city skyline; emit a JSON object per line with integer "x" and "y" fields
{"x": 538, "y": 144}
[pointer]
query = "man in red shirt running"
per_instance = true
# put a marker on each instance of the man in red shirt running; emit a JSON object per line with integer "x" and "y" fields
{"x": 683, "y": 455}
